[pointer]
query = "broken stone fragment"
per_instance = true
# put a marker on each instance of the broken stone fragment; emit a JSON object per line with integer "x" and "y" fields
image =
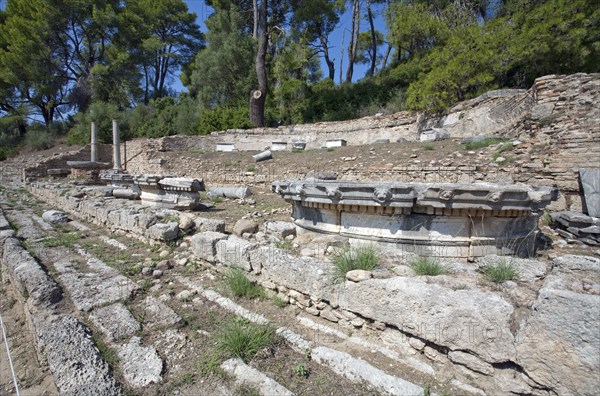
{"x": 55, "y": 217}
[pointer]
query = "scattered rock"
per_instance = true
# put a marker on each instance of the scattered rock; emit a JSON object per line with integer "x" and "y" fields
{"x": 244, "y": 226}
{"x": 358, "y": 275}
{"x": 55, "y": 217}
{"x": 185, "y": 295}
{"x": 157, "y": 274}
{"x": 280, "y": 229}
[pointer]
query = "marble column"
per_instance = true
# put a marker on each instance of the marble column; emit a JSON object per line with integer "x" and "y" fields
{"x": 94, "y": 146}
{"x": 116, "y": 147}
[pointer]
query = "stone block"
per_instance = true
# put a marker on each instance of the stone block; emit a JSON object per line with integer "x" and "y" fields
{"x": 280, "y": 229}
{"x": 234, "y": 252}
{"x": 590, "y": 180}
{"x": 204, "y": 245}
{"x": 164, "y": 232}
{"x": 204, "y": 224}
{"x": 469, "y": 320}
{"x": 115, "y": 321}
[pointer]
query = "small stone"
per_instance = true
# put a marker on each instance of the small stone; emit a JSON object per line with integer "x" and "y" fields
{"x": 164, "y": 265}
{"x": 182, "y": 262}
{"x": 379, "y": 325}
{"x": 313, "y": 311}
{"x": 146, "y": 271}
{"x": 157, "y": 274}
{"x": 321, "y": 305}
{"x": 416, "y": 343}
{"x": 358, "y": 275}
{"x": 430, "y": 353}
{"x": 500, "y": 159}
{"x": 185, "y": 295}
{"x": 328, "y": 314}
{"x": 163, "y": 254}
{"x": 357, "y": 322}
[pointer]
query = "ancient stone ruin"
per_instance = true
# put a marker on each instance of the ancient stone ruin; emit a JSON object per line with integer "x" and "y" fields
{"x": 446, "y": 220}
{"x": 124, "y": 286}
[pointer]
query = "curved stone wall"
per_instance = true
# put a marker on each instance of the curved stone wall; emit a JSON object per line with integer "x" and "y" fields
{"x": 448, "y": 220}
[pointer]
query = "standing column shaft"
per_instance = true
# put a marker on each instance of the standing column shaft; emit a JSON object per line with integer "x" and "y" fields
{"x": 116, "y": 148}
{"x": 94, "y": 148}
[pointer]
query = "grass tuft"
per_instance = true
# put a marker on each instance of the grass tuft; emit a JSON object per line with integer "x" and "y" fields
{"x": 244, "y": 339}
{"x": 428, "y": 266}
{"x": 66, "y": 239}
{"x": 240, "y": 286}
{"x": 500, "y": 272}
{"x": 428, "y": 146}
{"x": 365, "y": 257}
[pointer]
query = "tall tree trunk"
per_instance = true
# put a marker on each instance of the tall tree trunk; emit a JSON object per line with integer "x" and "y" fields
{"x": 373, "y": 38}
{"x": 385, "y": 58}
{"x": 255, "y": 23}
{"x": 353, "y": 40}
{"x": 328, "y": 60}
{"x": 258, "y": 97}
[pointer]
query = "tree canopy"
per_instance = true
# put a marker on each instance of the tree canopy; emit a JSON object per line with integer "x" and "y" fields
{"x": 259, "y": 62}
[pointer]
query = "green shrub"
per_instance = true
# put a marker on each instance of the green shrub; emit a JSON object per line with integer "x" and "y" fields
{"x": 428, "y": 146}
{"x": 223, "y": 118}
{"x": 66, "y": 239}
{"x": 301, "y": 370}
{"x": 488, "y": 141}
{"x": 39, "y": 139}
{"x": 240, "y": 286}
{"x": 428, "y": 266}
{"x": 499, "y": 272}
{"x": 364, "y": 257}
{"x": 243, "y": 339}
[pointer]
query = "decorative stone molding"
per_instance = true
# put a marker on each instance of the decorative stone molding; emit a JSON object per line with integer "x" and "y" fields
{"x": 452, "y": 220}
{"x": 170, "y": 192}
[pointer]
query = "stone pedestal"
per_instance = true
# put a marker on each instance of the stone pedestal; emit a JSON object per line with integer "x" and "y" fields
{"x": 447, "y": 220}
{"x": 170, "y": 192}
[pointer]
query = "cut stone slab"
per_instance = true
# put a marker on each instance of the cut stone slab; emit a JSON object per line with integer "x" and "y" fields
{"x": 102, "y": 285}
{"x": 73, "y": 359}
{"x": 247, "y": 375}
{"x": 141, "y": 365}
{"x": 590, "y": 180}
{"x": 244, "y": 226}
{"x": 55, "y": 217}
{"x": 164, "y": 232}
{"x": 158, "y": 314}
{"x": 358, "y": 370}
{"x": 115, "y": 321}
{"x": 204, "y": 245}
{"x": 467, "y": 320}
{"x": 203, "y": 224}
{"x": 559, "y": 344}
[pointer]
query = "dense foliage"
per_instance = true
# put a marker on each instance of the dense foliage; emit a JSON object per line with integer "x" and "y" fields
{"x": 65, "y": 63}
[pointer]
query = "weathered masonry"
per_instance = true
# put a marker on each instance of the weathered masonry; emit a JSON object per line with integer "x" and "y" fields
{"x": 450, "y": 220}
